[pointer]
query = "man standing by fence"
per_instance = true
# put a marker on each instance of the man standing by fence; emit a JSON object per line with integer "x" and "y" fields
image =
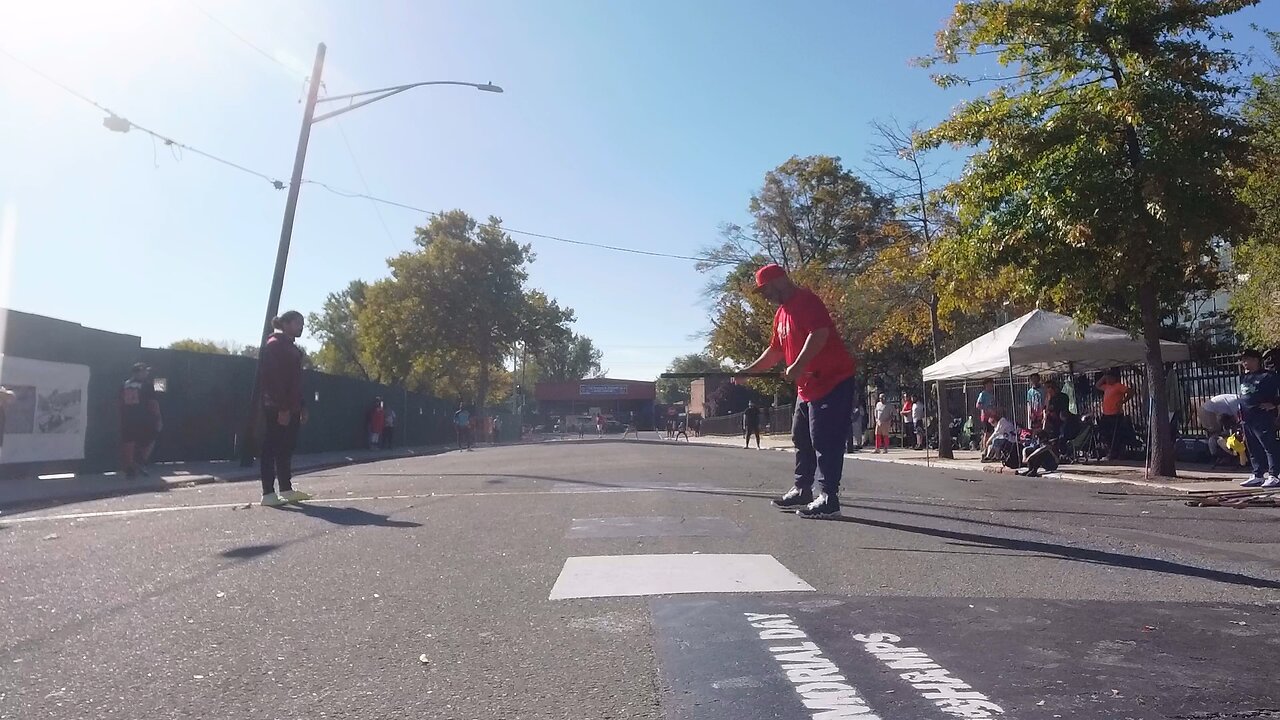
{"x": 139, "y": 421}
{"x": 805, "y": 337}
{"x": 751, "y": 423}
{"x": 462, "y": 423}
{"x": 1259, "y": 396}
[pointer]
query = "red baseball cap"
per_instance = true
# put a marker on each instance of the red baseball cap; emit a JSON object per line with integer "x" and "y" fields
{"x": 769, "y": 273}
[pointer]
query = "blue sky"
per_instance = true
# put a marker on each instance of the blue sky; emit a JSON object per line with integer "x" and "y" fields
{"x": 640, "y": 124}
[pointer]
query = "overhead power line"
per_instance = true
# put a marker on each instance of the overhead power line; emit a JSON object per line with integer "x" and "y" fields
{"x": 117, "y": 123}
{"x": 528, "y": 233}
{"x": 293, "y": 72}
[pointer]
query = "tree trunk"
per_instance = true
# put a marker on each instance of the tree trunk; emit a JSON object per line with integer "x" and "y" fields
{"x": 1162, "y": 450}
{"x": 482, "y": 389}
{"x": 944, "y": 412}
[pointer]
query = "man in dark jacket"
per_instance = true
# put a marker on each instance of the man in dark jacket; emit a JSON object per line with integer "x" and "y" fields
{"x": 283, "y": 411}
{"x": 1259, "y": 397}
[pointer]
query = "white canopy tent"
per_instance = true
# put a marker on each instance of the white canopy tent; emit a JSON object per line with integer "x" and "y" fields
{"x": 1042, "y": 341}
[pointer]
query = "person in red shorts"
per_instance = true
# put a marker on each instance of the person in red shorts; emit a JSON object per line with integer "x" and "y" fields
{"x": 806, "y": 339}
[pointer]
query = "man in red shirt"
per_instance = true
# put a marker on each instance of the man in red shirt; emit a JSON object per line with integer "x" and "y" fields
{"x": 805, "y": 338}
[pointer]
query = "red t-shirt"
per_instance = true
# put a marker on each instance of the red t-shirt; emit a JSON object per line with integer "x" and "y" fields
{"x": 792, "y": 324}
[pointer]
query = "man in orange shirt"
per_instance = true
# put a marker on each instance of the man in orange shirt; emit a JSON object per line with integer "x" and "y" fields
{"x": 1111, "y": 423}
{"x": 806, "y": 339}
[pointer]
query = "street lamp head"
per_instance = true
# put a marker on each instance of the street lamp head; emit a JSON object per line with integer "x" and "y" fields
{"x": 489, "y": 87}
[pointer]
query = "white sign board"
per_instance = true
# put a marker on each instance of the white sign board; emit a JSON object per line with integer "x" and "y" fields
{"x": 46, "y": 419}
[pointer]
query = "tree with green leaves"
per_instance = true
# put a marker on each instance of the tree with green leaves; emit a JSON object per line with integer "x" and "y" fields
{"x": 211, "y": 347}
{"x": 677, "y": 391}
{"x": 815, "y": 218}
{"x": 335, "y": 327}
{"x": 576, "y": 358}
{"x": 1103, "y": 171}
{"x": 451, "y": 311}
{"x": 810, "y": 211}
{"x": 1255, "y": 302}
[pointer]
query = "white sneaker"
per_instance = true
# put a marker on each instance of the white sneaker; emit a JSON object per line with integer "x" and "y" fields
{"x": 273, "y": 500}
{"x": 1253, "y": 482}
{"x": 1271, "y": 481}
{"x": 294, "y": 496}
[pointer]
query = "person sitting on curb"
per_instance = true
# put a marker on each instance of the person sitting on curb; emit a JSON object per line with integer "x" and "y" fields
{"x": 1040, "y": 455}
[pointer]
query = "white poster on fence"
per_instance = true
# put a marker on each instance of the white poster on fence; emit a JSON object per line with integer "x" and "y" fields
{"x": 45, "y": 419}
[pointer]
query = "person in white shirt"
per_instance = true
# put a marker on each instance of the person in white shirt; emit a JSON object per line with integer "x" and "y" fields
{"x": 919, "y": 409}
{"x": 884, "y": 424}
{"x": 1004, "y": 438}
{"x": 1211, "y": 412}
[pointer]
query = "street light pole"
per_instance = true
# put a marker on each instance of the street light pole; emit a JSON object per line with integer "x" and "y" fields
{"x": 309, "y": 118}
{"x": 282, "y": 253}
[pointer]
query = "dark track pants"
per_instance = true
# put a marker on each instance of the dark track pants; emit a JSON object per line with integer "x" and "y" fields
{"x": 819, "y": 431}
{"x": 278, "y": 442}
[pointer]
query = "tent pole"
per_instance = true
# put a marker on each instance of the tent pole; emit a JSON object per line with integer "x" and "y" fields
{"x": 924, "y": 397}
{"x": 1013, "y": 399}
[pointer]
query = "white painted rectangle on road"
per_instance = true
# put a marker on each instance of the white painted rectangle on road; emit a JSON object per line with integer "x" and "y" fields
{"x": 638, "y": 575}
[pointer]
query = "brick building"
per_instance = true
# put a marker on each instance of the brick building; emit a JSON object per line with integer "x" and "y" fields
{"x": 619, "y": 400}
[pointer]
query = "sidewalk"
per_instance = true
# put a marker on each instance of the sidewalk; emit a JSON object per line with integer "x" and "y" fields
{"x": 1194, "y": 477}
{"x": 30, "y": 493}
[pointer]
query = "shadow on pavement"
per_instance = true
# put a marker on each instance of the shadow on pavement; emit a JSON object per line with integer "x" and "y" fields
{"x": 937, "y": 516}
{"x": 1068, "y": 552}
{"x": 248, "y": 552}
{"x": 349, "y": 516}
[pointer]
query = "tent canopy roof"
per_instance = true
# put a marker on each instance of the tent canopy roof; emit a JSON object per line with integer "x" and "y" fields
{"x": 1043, "y": 341}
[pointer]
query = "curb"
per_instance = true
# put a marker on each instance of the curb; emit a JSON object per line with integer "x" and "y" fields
{"x": 987, "y": 468}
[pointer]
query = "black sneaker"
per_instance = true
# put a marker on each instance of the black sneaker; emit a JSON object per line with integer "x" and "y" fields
{"x": 825, "y": 507}
{"x": 795, "y": 498}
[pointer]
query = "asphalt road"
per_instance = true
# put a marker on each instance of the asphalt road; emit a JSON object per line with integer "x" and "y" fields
{"x": 419, "y": 588}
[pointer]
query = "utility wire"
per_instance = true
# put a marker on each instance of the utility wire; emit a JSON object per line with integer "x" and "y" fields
{"x": 115, "y": 122}
{"x": 293, "y": 72}
{"x": 377, "y": 210}
{"x": 556, "y": 238}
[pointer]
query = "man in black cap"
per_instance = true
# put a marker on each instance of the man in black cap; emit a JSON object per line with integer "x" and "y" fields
{"x": 1259, "y": 398}
{"x": 139, "y": 421}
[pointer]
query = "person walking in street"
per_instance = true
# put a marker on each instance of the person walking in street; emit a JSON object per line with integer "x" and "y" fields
{"x": 388, "y": 428}
{"x": 497, "y": 429}
{"x": 806, "y": 339}
{"x": 1259, "y": 398}
{"x": 600, "y": 424}
{"x": 280, "y": 377}
{"x": 462, "y": 424}
{"x": 751, "y": 423}
{"x": 884, "y": 424}
{"x": 140, "y": 421}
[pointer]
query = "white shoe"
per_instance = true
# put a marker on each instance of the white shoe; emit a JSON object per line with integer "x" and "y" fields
{"x": 1253, "y": 482}
{"x": 273, "y": 500}
{"x": 294, "y": 496}
{"x": 1271, "y": 481}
